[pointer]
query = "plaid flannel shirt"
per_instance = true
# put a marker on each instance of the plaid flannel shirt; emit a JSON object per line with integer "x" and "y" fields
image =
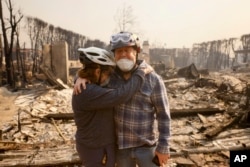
{"x": 145, "y": 118}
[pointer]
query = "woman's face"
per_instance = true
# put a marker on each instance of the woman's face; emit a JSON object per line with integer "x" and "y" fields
{"x": 104, "y": 76}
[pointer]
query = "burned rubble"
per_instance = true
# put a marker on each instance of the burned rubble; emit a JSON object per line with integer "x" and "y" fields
{"x": 210, "y": 117}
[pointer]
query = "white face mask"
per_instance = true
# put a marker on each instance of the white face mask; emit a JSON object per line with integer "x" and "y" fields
{"x": 125, "y": 64}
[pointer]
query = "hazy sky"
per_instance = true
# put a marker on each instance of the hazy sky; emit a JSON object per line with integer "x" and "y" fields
{"x": 175, "y": 23}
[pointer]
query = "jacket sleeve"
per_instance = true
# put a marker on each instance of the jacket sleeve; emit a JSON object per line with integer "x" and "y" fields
{"x": 96, "y": 97}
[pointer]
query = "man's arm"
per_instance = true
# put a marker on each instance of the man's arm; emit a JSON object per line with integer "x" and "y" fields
{"x": 161, "y": 103}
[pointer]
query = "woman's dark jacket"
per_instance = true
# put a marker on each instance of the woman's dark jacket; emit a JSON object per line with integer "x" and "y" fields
{"x": 93, "y": 111}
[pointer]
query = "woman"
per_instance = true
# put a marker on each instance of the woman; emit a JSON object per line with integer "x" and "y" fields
{"x": 93, "y": 107}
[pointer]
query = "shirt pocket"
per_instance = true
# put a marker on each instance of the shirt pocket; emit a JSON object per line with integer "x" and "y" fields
{"x": 146, "y": 89}
{"x": 143, "y": 98}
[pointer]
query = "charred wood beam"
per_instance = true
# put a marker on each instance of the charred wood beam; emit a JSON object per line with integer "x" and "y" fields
{"x": 65, "y": 116}
{"x": 41, "y": 158}
{"x": 58, "y": 130}
{"x": 228, "y": 98}
{"x": 221, "y": 127}
{"x": 215, "y": 149}
{"x": 11, "y": 145}
{"x": 174, "y": 113}
{"x": 7, "y": 129}
{"x": 52, "y": 79}
{"x": 192, "y": 112}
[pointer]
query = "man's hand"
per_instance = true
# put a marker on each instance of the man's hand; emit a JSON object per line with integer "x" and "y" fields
{"x": 80, "y": 83}
{"x": 163, "y": 158}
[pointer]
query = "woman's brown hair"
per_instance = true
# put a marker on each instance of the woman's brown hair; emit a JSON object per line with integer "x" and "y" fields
{"x": 88, "y": 71}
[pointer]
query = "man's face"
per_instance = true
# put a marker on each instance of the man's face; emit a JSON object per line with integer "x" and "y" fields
{"x": 127, "y": 52}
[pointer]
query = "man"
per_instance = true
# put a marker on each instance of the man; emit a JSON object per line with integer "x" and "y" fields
{"x": 143, "y": 122}
{"x": 135, "y": 119}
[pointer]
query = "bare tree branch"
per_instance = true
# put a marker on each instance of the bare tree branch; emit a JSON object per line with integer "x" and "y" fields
{"x": 125, "y": 18}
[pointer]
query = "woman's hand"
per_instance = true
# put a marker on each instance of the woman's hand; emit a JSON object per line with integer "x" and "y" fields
{"x": 146, "y": 69}
{"x": 79, "y": 85}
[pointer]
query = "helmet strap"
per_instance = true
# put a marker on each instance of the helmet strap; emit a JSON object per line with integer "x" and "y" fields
{"x": 137, "y": 57}
{"x": 100, "y": 76}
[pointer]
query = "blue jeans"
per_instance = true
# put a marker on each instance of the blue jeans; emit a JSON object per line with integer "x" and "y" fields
{"x": 142, "y": 156}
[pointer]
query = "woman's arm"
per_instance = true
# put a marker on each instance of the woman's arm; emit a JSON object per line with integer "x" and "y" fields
{"x": 80, "y": 83}
{"x": 96, "y": 97}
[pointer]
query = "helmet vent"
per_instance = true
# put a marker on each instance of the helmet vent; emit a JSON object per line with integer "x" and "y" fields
{"x": 102, "y": 60}
{"x": 93, "y": 54}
